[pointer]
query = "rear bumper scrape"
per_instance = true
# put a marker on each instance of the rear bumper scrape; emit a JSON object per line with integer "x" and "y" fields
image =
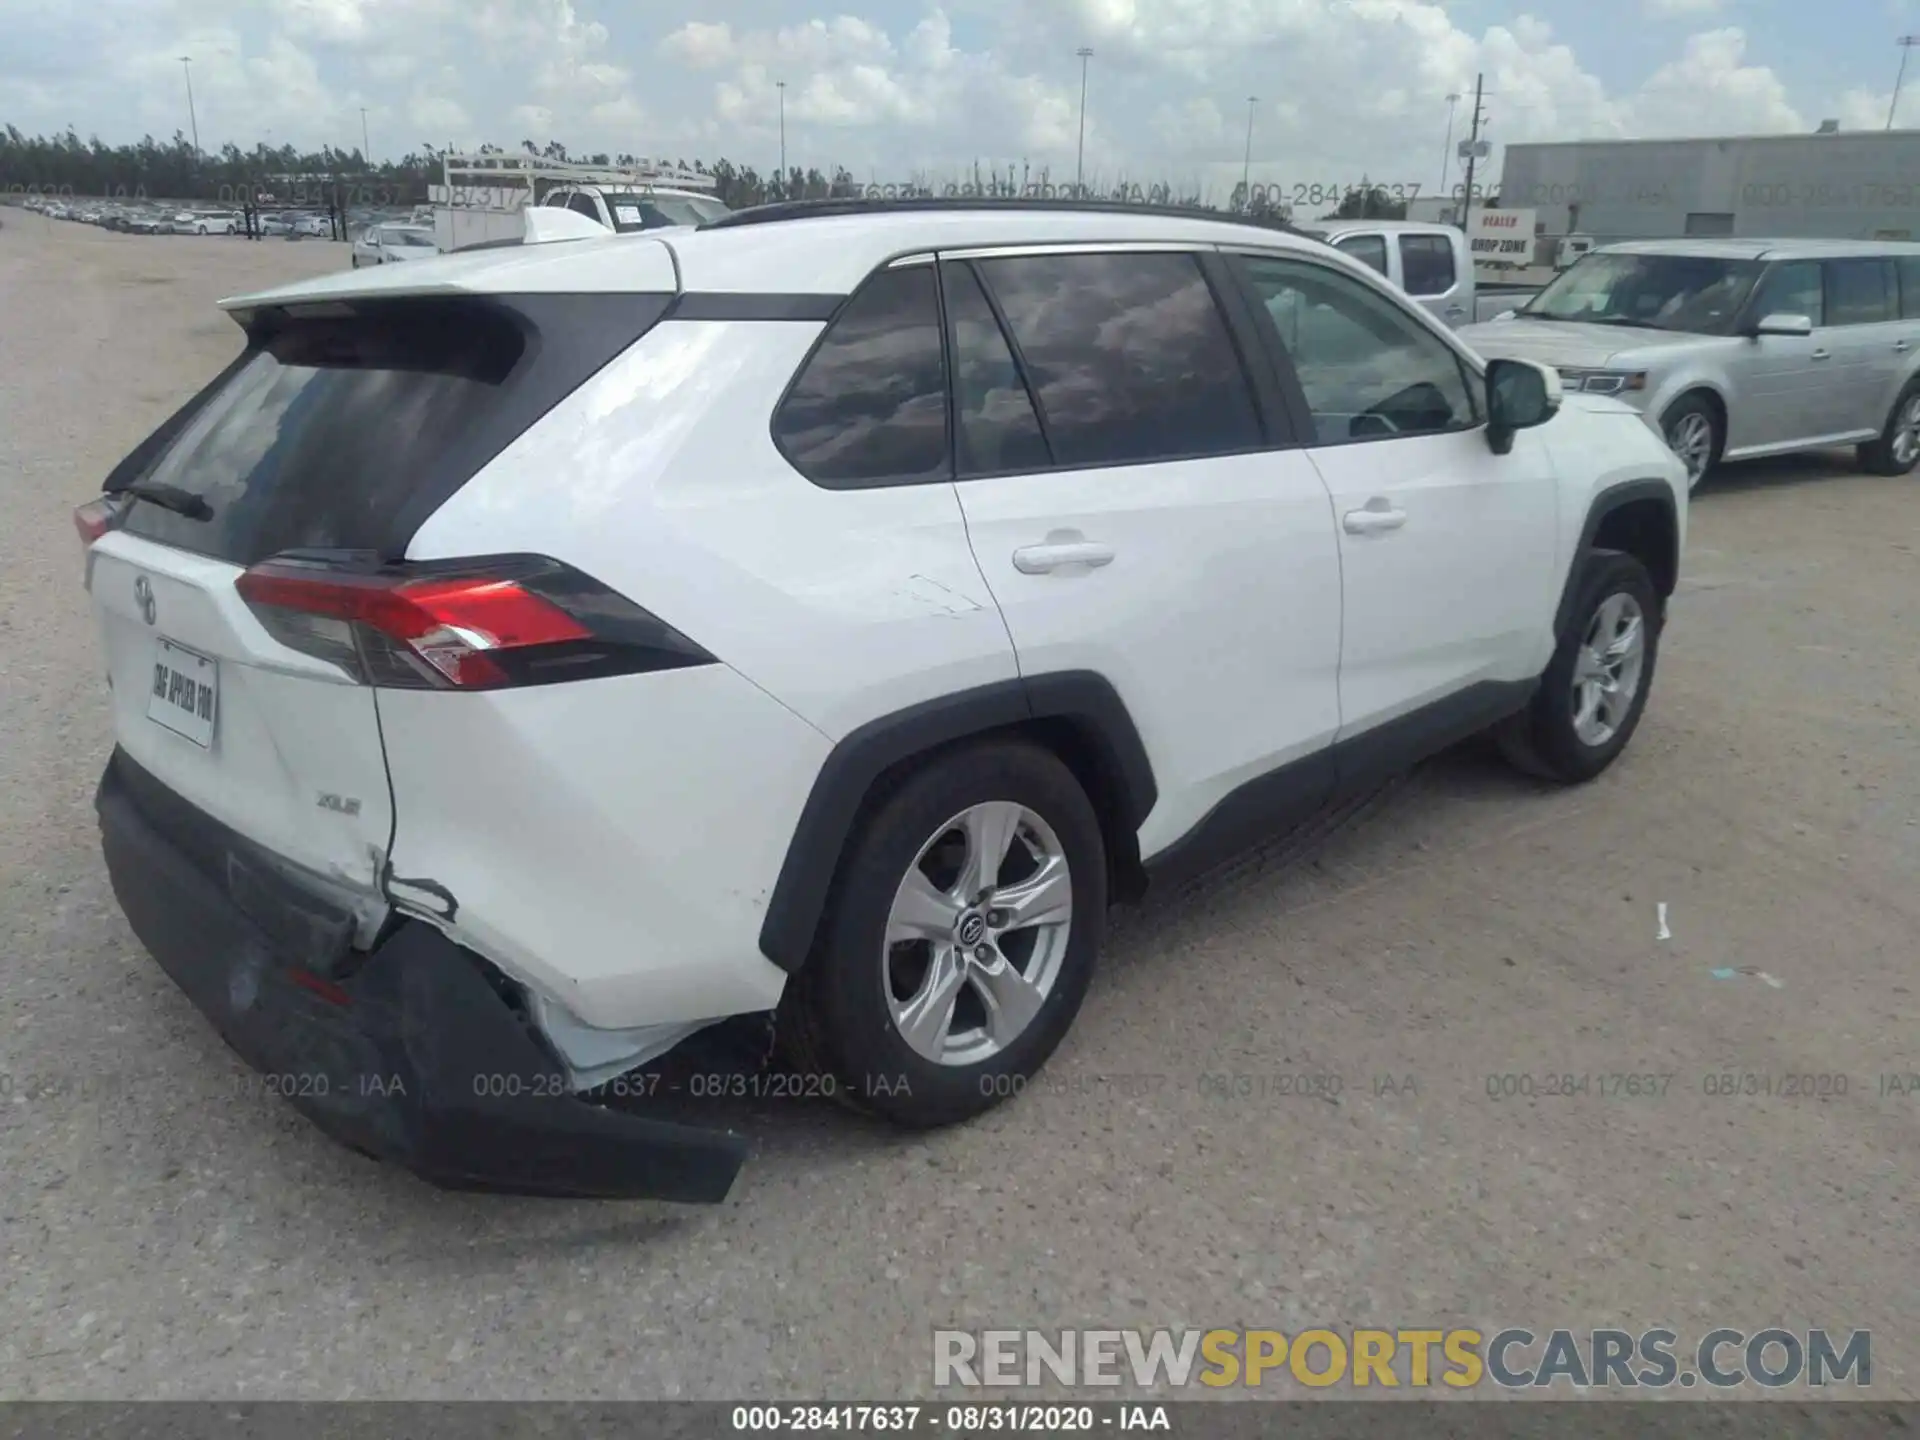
{"x": 413, "y": 1056}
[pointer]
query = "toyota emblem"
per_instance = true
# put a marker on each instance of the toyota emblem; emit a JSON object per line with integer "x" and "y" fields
{"x": 972, "y": 928}
{"x": 143, "y": 597}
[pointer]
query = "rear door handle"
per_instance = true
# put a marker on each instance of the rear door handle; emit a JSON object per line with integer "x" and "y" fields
{"x": 1821, "y": 355}
{"x": 1900, "y": 347}
{"x": 1040, "y": 559}
{"x": 1373, "y": 520}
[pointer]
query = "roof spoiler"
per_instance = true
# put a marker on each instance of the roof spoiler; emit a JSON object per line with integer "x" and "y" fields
{"x": 546, "y": 224}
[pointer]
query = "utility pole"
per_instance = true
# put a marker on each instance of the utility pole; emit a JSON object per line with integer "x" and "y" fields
{"x": 1906, "y": 44}
{"x": 1080, "y": 162}
{"x": 782, "y": 86}
{"x": 1246, "y": 165}
{"x": 1446, "y": 152}
{"x": 366, "y": 145}
{"x": 186, "y": 69}
{"x": 1473, "y": 155}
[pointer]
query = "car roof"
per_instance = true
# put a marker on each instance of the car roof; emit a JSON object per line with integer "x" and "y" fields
{"x": 1762, "y": 249}
{"x": 824, "y": 250}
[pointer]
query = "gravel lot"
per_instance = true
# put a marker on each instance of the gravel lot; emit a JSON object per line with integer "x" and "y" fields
{"x": 164, "y": 1237}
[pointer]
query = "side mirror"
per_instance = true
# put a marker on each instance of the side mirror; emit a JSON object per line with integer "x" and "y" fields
{"x": 1520, "y": 395}
{"x": 1784, "y": 324}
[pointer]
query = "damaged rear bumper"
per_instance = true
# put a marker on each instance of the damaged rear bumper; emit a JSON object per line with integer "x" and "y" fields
{"x": 411, "y": 1053}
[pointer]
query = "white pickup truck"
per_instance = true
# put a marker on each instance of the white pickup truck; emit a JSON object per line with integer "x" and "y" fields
{"x": 1428, "y": 261}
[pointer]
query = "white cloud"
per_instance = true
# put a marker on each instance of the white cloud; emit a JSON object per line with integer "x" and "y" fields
{"x": 1680, "y": 9}
{"x": 702, "y": 46}
{"x": 1710, "y": 89}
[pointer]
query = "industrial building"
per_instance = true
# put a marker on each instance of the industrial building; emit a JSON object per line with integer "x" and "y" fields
{"x": 1832, "y": 184}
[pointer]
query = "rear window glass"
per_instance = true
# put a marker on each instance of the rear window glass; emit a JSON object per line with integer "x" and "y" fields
{"x": 337, "y": 427}
{"x": 655, "y": 212}
{"x": 871, "y": 405}
{"x": 1129, "y": 355}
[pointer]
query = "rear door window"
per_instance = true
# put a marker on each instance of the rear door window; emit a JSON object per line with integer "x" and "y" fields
{"x": 1909, "y": 272}
{"x": 343, "y": 427}
{"x": 870, "y": 405}
{"x": 1128, "y": 356}
{"x": 999, "y": 426}
{"x": 1859, "y": 292}
{"x": 1426, "y": 264}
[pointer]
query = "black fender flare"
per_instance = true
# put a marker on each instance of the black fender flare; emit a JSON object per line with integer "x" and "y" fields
{"x": 1612, "y": 498}
{"x": 1084, "y": 699}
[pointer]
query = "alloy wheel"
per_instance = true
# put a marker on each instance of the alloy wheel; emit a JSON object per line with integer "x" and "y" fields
{"x": 977, "y": 935}
{"x": 1607, "y": 669}
{"x": 1691, "y": 438}
{"x": 1906, "y": 432}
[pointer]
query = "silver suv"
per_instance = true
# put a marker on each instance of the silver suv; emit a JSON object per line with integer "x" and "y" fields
{"x": 1734, "y": 349}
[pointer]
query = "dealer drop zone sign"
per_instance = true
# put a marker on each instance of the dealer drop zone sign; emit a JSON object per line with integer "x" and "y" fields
{"x": 1502, "y": 235}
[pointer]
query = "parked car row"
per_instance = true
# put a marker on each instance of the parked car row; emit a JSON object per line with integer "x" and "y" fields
{"x": 141, "y": 218}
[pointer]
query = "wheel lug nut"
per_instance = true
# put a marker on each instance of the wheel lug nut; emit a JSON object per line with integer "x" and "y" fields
{"x": 983, "y": 953}
{"x": 996, "y": 918}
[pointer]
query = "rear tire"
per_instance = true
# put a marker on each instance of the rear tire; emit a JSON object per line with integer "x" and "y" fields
{"x": 1595, "y": 688}
{"x": 1897, "y": 450}
{"x": 1692, "y": 430}
{"x": 923, "y": 1000}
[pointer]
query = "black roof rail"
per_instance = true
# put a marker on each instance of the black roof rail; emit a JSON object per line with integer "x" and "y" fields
{"x": 922, "y": 204}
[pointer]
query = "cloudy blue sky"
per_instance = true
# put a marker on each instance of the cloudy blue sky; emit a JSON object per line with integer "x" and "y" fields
{"x": 891, "y": 87}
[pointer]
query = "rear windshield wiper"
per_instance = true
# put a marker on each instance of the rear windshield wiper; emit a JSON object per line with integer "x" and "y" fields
{"x": 170, "y": 497}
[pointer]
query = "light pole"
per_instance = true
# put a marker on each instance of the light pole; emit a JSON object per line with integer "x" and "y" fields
{"x": 782, "y": 85}
{"x": 1446, "y": 153}
{"x": 1906, "y": 44}
{"x": 1246, "y": 163}
{"x": 366, "y": 145}
{"x": 1080, "y": 159}
{"x": 186, "y": 69}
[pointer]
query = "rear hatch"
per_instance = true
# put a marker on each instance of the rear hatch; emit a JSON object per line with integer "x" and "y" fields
{"x": 342, "y": 426}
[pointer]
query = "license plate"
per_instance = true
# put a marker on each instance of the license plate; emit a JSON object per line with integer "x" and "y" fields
{"x": 186, "y": 692}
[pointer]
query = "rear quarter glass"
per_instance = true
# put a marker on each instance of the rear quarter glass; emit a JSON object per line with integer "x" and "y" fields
{"x": 343, "y": 426}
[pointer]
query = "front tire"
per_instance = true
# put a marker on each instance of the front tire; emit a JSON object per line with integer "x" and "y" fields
{"x": 1595, "y": 688}
{"x": 1692, "y": 431}
{"x": 1897, "y": 450}
{"x": 961, "y": 940}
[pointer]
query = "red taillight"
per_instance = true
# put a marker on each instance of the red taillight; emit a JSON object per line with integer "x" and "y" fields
{"x": 456, "y": 625}
{"x": 514, "y": 620}
{"x": 95, "y": 518}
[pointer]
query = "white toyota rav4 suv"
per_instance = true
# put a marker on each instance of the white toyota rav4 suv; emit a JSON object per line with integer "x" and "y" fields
{"x": 526, "y": 665}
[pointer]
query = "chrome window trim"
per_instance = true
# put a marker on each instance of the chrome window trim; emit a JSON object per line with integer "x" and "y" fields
{"x": 1017, "y": 249}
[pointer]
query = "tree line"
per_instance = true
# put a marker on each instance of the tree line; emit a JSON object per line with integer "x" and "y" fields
{"x": 174, "y": 169}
